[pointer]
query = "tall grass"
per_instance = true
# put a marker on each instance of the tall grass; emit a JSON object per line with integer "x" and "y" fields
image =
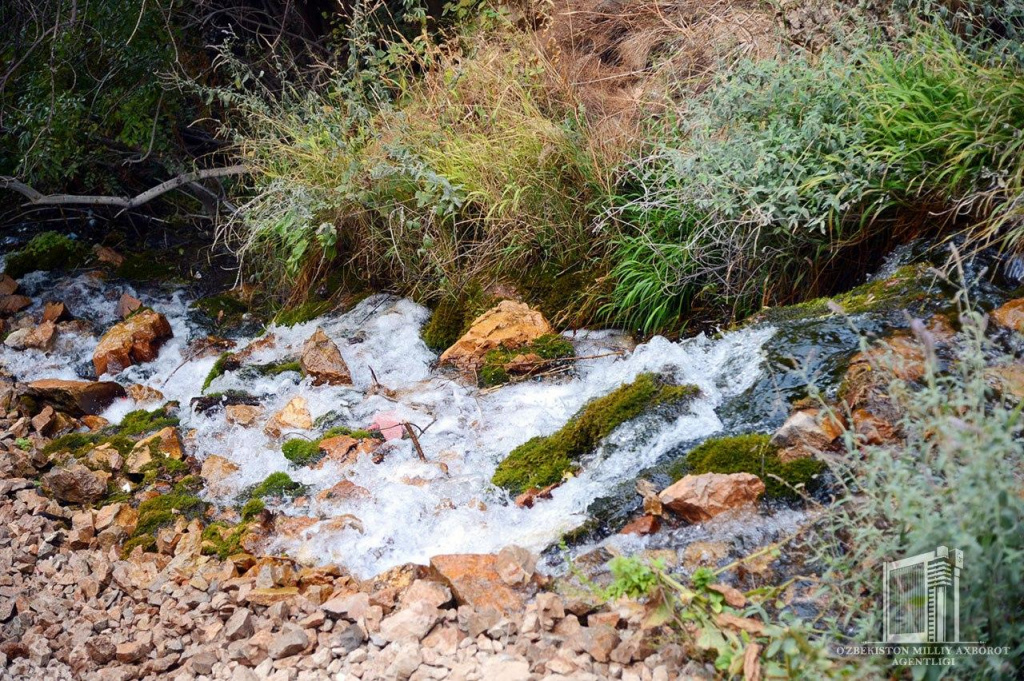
{"x": 777, "y": 175}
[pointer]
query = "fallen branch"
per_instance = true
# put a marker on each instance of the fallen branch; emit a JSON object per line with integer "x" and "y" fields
{"x": 36, "y": 198}
{"x": 415, "y": 440}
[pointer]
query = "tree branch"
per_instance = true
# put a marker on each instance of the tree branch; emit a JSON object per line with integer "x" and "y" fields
{"x": 37, "y": 199}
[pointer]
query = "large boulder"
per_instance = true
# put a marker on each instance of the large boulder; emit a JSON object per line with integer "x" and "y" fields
{"x": 75, "y": 484}
{"x": 75, "y": 397}
{"x": 510, "y": 325}
{"x": 133, "y": 341}
{"x": 322, "y": 360}
{"x": 698, "y": 498}
{"x": 475, "y": 580}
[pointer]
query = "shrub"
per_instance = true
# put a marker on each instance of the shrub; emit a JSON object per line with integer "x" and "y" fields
{"x": 543, "y": 461}
{"x": 953, "y": 482}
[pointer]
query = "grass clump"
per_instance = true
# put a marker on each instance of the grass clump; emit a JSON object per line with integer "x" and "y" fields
{"x": 494, "y": 370}
{"x": 141, "y": 421}
{"x": 543, "y": 461}
{"x": 752, "y": 453}
{"x": 300, "y": 314}
{"x": 276, "y": 485}
{"x": 47, "y": 251}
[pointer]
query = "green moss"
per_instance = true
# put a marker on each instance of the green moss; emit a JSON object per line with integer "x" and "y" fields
{"x": 225, "y": 363}
{"x": 311, "y": 309}
{"x": 162, "y": 467}
{"x": 561, "y": 293}
{"x": 253, "y": 508}
{"x": 302, "y": 452}
{"x": 146, "y": 541}
{"x": 549, "y": 347}
{"x": 224, "y": 309}
{"x": 147, "y": 266}
{"x": 75, "y": 443}
{"x": 907, "y": 287}
{"x": 752, "y": 453}
{"x": 358, "y": 433}
{"x": 274, "y": 368}
{"x": 161, "y": 511}
{"x": 446, "y": 324}
{"x": 543, "y": 461}
{"x": 226, "y": 540}
{"x": 276, "y": 485}
{"x": 47, "y": 251}
{"x": 141, "y": 421}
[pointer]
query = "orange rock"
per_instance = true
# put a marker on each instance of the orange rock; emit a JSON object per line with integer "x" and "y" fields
{"x": 474, "y": 580}
{"x": 528, "y": 498}
{"x": 509, "y": 324}
{"x": 1010, "y": 315}
{"x": 272, "y": 595}
{"x": 344, "y": 490}
{"x": 322, "y": 360}
{"x": 244, "y": 415}
{"x": 340, "y": 449}
{"x": 698, "y": 498}
{"x": 76, "y": 397}
{"x": 42, "y": 337}
{"x": 7, "y": 285}
{"x": 94, "y": 423}
{"x": 143, "y": 393}
{"x": 214, "y": 471}
{"x": 135, "y": 340}
{"x": 9, "y": 304}
{"x": 126, "y": 305}
{"x": 645, "y": 524}
{"x": 141, "y": 454}
{"x": 108, "y": 255}
{"x": 294, "y": 416}
{"x": 56, "y": 312}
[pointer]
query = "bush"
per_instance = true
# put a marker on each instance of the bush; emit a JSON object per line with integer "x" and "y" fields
{"x": 954, "y": 482}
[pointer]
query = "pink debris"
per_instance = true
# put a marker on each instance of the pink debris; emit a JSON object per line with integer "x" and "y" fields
{"x": 389, "y": 425}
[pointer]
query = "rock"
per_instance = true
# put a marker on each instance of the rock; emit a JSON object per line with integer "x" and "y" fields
{"x": 41, "y": 337}
{"x": 9, "y": 304}
{"x": 597, "y": 641}
{"x": 16, "y": 339}
{"x": 389, "y": 425}
{"x": 645, "y": 524}
{"x": 135, "y": 340}
{"x": 509, "y": 324}
{"x": 344, "y": 490}
{"x": 805, "y": 433}
{"x": 412, "y": 622}
{"x": 105, "y": 457}
{"x": 351, "y": 607}
{"x": 499, "y": 669}
{"x": 76, "y": 397}
{"x": 133, "y": 651}
{"x": 340, "y": 448}
{"x": 322, "y": 360}
{"x": 698, "y": 498}
{"x": 425, "y": 591}
{"x": 75, "y": 484}
{"x": 528, "y": 498}
{"x": 1010, "y": 315}
{"x": 126, "y": 305}
{"x": 141, "y": 454}
{"x": 214, "y": 471}
{"x": 474, "y": 580}
{"x": 203, "y": 661}
{"x": 100, "y": 649}
{"x": 243, "y": 415}
{"x": 56, "y": 312}
{"x": 516, "y": 565}
{"x": 1008, "y": 379}
{"x": 239, "y": 625}
{"x": 733, "y": 597}
{"x": 8, "y": 285}
{"x": 107, "y": 255}
{"x": 407, "y": 659}
{"x": 143, "y": 393}
{"x": 294, "y": 416}
{"x": 287, "y": 643}
{"x": 94, "y": 423}
{"x": 269, "y": 596}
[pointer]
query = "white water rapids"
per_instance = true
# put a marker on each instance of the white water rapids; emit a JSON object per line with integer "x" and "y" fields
{"x": 416, "y": 510}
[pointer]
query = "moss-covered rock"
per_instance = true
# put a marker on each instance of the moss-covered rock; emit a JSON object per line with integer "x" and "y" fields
{"x": 302, "y": 452}
{"x": 274, "y": 368}
{"x": 141, "y": 421}
{"x": 311, "y": 309}
{"x": 223, "y": 310}
{"x": 908, "y": 287}
{"x": 752, "y": 453}
{"x": 228, "y": 361}
{"x": 498, "y": 366}
{"x": 47, "y": 251}
{"x": 253, "y": 508}
{"x": 147, "y": 266}
{"x": 543, "y": 461}
{"x": 276, "y": 485}
{"x": 223, "y": 540}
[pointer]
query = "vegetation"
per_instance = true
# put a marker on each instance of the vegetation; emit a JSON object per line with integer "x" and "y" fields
{"x": 542, "y": 461}
{"x": 140, "y": 421}
{"x": 46, "y": 251}
{"x": 752, "y": 454}
{"x": 275, "y": 486}
{"x": 549, "y": 348}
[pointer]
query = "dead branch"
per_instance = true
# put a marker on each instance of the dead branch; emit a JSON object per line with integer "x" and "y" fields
{"x": 415, "y": 440}
{"x": 36, "y": 198}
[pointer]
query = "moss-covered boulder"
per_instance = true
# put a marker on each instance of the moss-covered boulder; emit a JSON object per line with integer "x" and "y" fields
{"x": 47, "y": 251}
{"x": 542, "y": 461}
{"x": 755, "y": 454}
{"x": 502, "y": 363}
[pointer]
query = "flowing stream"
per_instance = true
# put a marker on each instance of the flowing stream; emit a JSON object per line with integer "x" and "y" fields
{"x": 417, "y": 509}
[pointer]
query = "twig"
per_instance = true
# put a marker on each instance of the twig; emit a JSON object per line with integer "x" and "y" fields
{"x": 415, "y": 440}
